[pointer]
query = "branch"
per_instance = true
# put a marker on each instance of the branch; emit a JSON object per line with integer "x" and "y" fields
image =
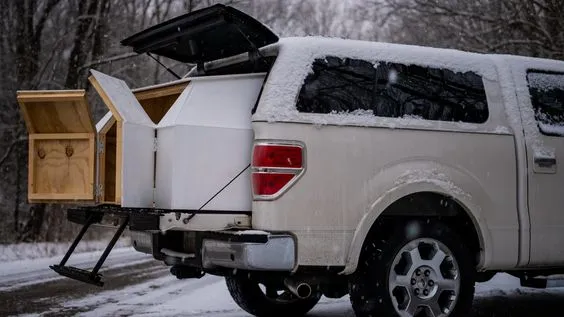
{"x": 11, "y": 148}
{"x": 108, "y": 60}
{"x": 523, "y": 42}
{"x": 51, "y": 4}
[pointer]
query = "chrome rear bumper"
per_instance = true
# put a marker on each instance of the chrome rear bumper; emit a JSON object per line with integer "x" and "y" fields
{"x": 245, "y": 250}
{"x": 278, "y": 253}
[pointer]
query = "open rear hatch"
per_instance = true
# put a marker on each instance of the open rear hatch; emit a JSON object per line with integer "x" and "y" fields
{"x": 204, "y": 35}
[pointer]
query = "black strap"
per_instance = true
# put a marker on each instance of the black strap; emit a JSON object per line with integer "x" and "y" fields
{"x": 215, "y": 195}
{"x": 231, "y": 181}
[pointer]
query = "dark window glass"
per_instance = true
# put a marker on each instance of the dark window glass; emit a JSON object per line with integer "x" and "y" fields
{"x": 393, "y": 90}
{"x": 337, "y": 85}
{"x": 547, "y": 97}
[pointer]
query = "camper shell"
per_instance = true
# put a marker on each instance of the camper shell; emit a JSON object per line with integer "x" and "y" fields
{"x": 238, "y": 170}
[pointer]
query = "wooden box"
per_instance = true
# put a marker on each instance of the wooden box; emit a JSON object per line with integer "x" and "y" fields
{"x": 61, "y": 145}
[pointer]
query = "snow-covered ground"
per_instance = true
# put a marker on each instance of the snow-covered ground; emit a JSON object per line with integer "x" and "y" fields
{"x": 137, "y": 285}
{"x": 27, "y": 251}
{"x": 21, "y": 273}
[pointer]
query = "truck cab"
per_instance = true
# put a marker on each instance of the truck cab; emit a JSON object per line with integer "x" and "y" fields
{"x": 306, "y": 167}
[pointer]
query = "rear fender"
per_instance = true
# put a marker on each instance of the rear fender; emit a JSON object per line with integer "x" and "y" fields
{"x": 412, "y": 177}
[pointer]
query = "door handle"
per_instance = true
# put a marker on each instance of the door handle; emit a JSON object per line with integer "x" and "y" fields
{"x": 545, "y": 162}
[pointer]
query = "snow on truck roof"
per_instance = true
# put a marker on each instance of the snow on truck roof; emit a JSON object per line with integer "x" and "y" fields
{"x": 295, "y": 56}
{"x": 311, "y": 47}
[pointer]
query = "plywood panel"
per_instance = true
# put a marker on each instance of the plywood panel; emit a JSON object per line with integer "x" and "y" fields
{"x": 151, "y": 92}
{"x": 61, "y": 145}
{"x": 107, "y": 169}
{"x": 110, "y": 168}
{"x": 156, "y": 108}
{"x": 157, "y": 100}
{"x": 61, "y": 168}
{"x": 119, "y": 162}
{"x": 55, "y": 111}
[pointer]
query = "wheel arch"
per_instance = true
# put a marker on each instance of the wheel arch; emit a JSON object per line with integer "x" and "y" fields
{"x": 385, "y": 205}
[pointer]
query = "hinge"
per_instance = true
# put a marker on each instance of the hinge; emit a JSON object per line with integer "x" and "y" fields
{"x": 155, "y": 145}
{"x": 99, "y": 190}
{"x": 99, "y": 147}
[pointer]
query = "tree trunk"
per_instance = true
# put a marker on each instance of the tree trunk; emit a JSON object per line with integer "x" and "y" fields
{"x": 86, "y": 22}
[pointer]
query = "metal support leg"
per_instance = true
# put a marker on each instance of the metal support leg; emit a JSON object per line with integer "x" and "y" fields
{"x": 91, "y": 277}
{"x": 76, "y": 241}
{"x": 110, "y": 246}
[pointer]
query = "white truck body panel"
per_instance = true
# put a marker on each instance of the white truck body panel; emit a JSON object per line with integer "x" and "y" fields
{"x": 332, "y": 207}
{"x": 545, "y": 184}
{"x": 358, "y": 171}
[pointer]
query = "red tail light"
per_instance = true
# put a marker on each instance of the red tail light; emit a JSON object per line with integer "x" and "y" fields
{"x": 277, "y": 156}
{"x": 275, "y": 167}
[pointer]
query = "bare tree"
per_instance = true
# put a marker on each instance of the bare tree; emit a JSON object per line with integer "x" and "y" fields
{"x": 527, "y": 27}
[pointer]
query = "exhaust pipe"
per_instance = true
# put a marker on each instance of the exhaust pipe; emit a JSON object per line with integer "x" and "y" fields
{"x": 301, "y": 290}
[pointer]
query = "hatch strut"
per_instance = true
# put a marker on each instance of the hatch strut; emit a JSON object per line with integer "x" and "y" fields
{"x": 163, "y": 65}
{"x": 91, "y": 277}
{"x": 254, "y": 53}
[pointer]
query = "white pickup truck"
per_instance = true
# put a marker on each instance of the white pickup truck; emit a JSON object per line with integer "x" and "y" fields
{"x": 303, "y": 167}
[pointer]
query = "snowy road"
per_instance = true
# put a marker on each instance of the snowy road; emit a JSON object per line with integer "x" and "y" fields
{"x": 137, "y": 285}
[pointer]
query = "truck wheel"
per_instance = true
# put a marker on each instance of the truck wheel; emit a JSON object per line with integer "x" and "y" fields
{"x": 422, "y": 269}
{"x": 271, "y": 302}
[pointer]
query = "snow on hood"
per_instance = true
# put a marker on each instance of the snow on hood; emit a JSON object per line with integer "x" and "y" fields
{"x": 297, "y": 54}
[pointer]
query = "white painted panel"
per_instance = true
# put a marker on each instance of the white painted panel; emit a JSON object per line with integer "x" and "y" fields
{"x": 205, "y": 160}
{"x": 204, "y": 222}
{"x": 165, "y": 167}
{"x": 138, "y": 133}
{"x": 123, "y": 99}
{"x": 138, "y": 165}
{"x": 169, "y": 118}
{"x": 204, "y": 141}
{"x": 102, "y": 123}
{"x": 223, "y": 101}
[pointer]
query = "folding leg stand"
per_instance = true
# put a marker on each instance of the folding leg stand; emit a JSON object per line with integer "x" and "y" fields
{"x": 90, "y": 277}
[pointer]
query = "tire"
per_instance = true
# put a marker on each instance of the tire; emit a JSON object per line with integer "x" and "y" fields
{"x": 251, "y": 298}
{"x": 383, "y": 284}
